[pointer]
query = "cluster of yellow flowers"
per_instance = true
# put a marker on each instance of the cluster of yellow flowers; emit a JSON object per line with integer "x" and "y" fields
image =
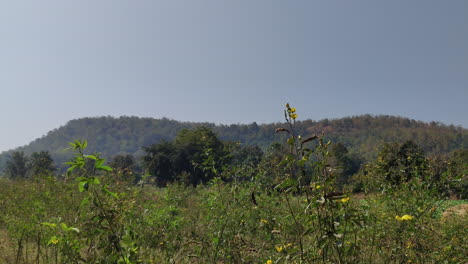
{"x": 291, "y": 112}
{"x": 404, "y": 218}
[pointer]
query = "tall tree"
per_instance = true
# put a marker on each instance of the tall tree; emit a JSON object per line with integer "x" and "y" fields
{"x": 41, "y": 163}
{"x": 347, "y": 164}
{"x": 159, "y": 162}
{"x": 16, "y": 167}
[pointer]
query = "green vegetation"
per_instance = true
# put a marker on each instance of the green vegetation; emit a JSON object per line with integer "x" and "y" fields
{"x": 196, "y": 198}
{"x": 361, "y": 135}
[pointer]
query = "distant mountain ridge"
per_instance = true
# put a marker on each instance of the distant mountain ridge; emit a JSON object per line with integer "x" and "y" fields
{"x": 362, "y": 135}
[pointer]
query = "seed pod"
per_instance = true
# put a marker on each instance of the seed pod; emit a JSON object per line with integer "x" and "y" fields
{"x": 282, "y": 130}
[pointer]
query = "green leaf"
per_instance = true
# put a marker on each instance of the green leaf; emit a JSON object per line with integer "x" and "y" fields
{"x": 52, "y": 225}
{"x": 74, "y": 229}
{"x": 95, "y": 180}
{"x": 91, "y": 157}
{"x": 84, "y": 202}
{"x": 99, "y": 163}
{"x": 104, "y": 189}
{"x": 83, "y": 185}
{"x": 81, "y": 178}
{"x": 105, "y": 168}
{"x": 64, "y": 226}
{"x": 70, "y": 170}
{"x": 288, "y": 183}
{"x": 53, "y": 240}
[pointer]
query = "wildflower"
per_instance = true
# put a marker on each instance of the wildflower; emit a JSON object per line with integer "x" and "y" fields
{"x": 264, "y": 221}
{"x": 404, "y": 218}
{"x": 292, "y": 110}
{"x": 53, "y": 240}
{"x": 407, "y": 217}
{"x": 293, "y": 116}
{"x": 344, "y": 200}
{"x": 269, "y": 261}
{"x": 279, "y": 249}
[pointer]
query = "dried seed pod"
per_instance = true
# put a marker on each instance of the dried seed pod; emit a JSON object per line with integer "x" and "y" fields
{"x": 282, "y": 130}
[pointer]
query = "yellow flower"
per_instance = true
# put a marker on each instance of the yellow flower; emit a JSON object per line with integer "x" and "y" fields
{"x": 293, "y": 116}
{"x": 279, "y": 248}
{"x": 407, "y": 217}
{"x": 344, "y": 200}
{"x": 53, "y": 240}
{"x": 293, "y": 110}
{"x": 404, "y": 218}
{"x": 269, "y": 261}
{"x": 264, "y": 221}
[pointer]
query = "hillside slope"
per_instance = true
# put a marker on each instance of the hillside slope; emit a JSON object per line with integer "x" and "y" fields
{"x": 362, "y": 134}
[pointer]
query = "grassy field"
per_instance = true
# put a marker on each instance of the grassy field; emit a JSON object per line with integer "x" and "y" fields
{"x": 50, "y": 221}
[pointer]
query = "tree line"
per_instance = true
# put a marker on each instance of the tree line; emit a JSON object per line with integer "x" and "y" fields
{"x": 129, "y": 135}
{"x": 196, "y": 156}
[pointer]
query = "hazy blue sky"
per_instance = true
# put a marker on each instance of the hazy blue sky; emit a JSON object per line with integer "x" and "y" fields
{"x": 229, "y": 61}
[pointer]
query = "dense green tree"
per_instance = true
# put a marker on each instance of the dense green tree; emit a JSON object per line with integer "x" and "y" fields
{"x": 345, "y": 164}
{"x": 195, "y": 156}
{"x": 125, "y": 167}
{"x": 17, "y": 166}
{"x": 41, "y": 163}
{"x": 249, "y": 154}
{"x": 401, "y": 162}
{"x": 159, "y": 162}
{"x": 450, "y": 172}
{"x": 200, "y": 155}
{"x": 396, "y": 163}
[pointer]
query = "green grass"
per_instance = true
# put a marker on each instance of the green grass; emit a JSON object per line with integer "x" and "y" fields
{"x": 218, "y": 223}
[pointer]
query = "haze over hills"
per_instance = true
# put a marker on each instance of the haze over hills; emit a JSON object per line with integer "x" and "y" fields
{"x": 362, "y": 135}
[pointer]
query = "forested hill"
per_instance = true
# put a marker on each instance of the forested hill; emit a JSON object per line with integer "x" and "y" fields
{"x": 362, "y": 135}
